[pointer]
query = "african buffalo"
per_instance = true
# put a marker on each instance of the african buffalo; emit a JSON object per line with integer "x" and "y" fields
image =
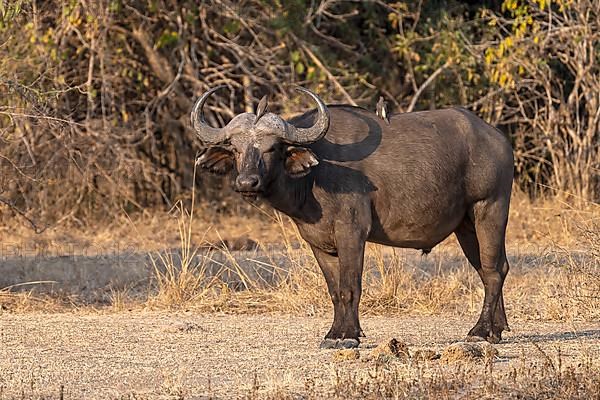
{"x": 346, "y": 176}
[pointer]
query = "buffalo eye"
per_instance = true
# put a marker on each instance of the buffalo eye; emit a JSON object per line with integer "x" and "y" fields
{"x": 299, "y": 161}
{"x": 216, "y": 159}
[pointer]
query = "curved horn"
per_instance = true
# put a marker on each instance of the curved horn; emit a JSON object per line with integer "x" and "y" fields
{"x": 315, "y": 132}
{"x": 206, "y": 133}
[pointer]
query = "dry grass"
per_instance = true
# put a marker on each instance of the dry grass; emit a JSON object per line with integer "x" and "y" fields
{"x": 468, "y": 381}
{"x": 554, "y": 250}
{"x": 552, "y": 291}
{"x": 553, "y": 282}
{"x": 15, "y": 299}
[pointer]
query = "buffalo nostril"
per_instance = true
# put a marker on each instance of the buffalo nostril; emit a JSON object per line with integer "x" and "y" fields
{"x": 248, "y": 182}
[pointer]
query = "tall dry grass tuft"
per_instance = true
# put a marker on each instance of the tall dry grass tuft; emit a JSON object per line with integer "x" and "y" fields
{"x": 182, "y": 277}
{"x": 403, "y": 281}
{"x": 14, "y": 300}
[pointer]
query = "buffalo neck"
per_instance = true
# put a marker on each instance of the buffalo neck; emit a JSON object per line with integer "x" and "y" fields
{"x": 294, "y": 197}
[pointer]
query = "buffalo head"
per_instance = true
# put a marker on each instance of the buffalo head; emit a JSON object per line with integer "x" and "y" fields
{"x": 260, "y": 146}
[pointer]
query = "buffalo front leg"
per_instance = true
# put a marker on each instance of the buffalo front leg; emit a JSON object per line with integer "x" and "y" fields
{"x": 330, "y": 266}
{"x": 343, "y": 273}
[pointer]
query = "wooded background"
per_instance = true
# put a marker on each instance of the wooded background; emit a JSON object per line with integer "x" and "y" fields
{"x": 95, "y": 96}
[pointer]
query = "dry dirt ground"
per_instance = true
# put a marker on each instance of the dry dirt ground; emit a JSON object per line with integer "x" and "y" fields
{"x": 142, "y": 354}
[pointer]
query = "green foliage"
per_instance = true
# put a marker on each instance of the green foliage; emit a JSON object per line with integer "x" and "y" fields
{"x": 287, "y": 16}
{"x": 167, "y": 38}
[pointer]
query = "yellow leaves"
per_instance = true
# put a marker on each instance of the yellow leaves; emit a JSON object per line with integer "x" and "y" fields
{"x": 48, "y": 36}
{"x": 495, "y": 75}
{"x": 470, "y": 75}
{"x": 47, "y": 39}
{"x": 9, "y": 10}
{"x": 510, "y": 5}
{"x": 520, "y": 28}
{"x": 394, "y": 20}
{"x": 490, "y": 55}
{"x": 504, "y": 46}
{"x": 562, "y": 4}
{"x": 542, "y": 4}
{"x": 74, "y": 20}
{"x": 124, "y": 115}
{"x": 499, "y": 58}
{"x": 503, "y": 77}
{"x": 400, "y": 8}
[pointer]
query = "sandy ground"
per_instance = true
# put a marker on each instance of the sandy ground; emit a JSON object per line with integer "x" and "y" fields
{"x": 165, "y": 355}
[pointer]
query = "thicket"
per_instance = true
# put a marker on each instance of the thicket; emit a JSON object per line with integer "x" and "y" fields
{"x": 95, "y": 95}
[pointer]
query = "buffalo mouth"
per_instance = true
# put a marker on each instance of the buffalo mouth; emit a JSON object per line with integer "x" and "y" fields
{"x": 251, "y": 195}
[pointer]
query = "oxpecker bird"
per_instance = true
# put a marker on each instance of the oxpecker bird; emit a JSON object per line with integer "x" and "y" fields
{"x": 382, "y": 110}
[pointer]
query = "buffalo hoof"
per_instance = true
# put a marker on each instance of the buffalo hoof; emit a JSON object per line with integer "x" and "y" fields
{"x": 339, "y": 344}
{"x": 494, "y": 339}
{"x": 473, "y": 338}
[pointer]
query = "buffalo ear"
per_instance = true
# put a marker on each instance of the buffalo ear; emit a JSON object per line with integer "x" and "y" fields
{"x": 216, "y": 159}
{"x": 299, "y": 161}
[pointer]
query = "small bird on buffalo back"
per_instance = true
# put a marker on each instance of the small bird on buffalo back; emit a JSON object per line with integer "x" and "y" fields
{"x": 262, "y": 108}
{"x": 382, "y": 110}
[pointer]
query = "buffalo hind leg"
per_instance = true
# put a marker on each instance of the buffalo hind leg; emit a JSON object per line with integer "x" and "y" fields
{"x": 490, "y": 234}
{"x": 468, "y": 242}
